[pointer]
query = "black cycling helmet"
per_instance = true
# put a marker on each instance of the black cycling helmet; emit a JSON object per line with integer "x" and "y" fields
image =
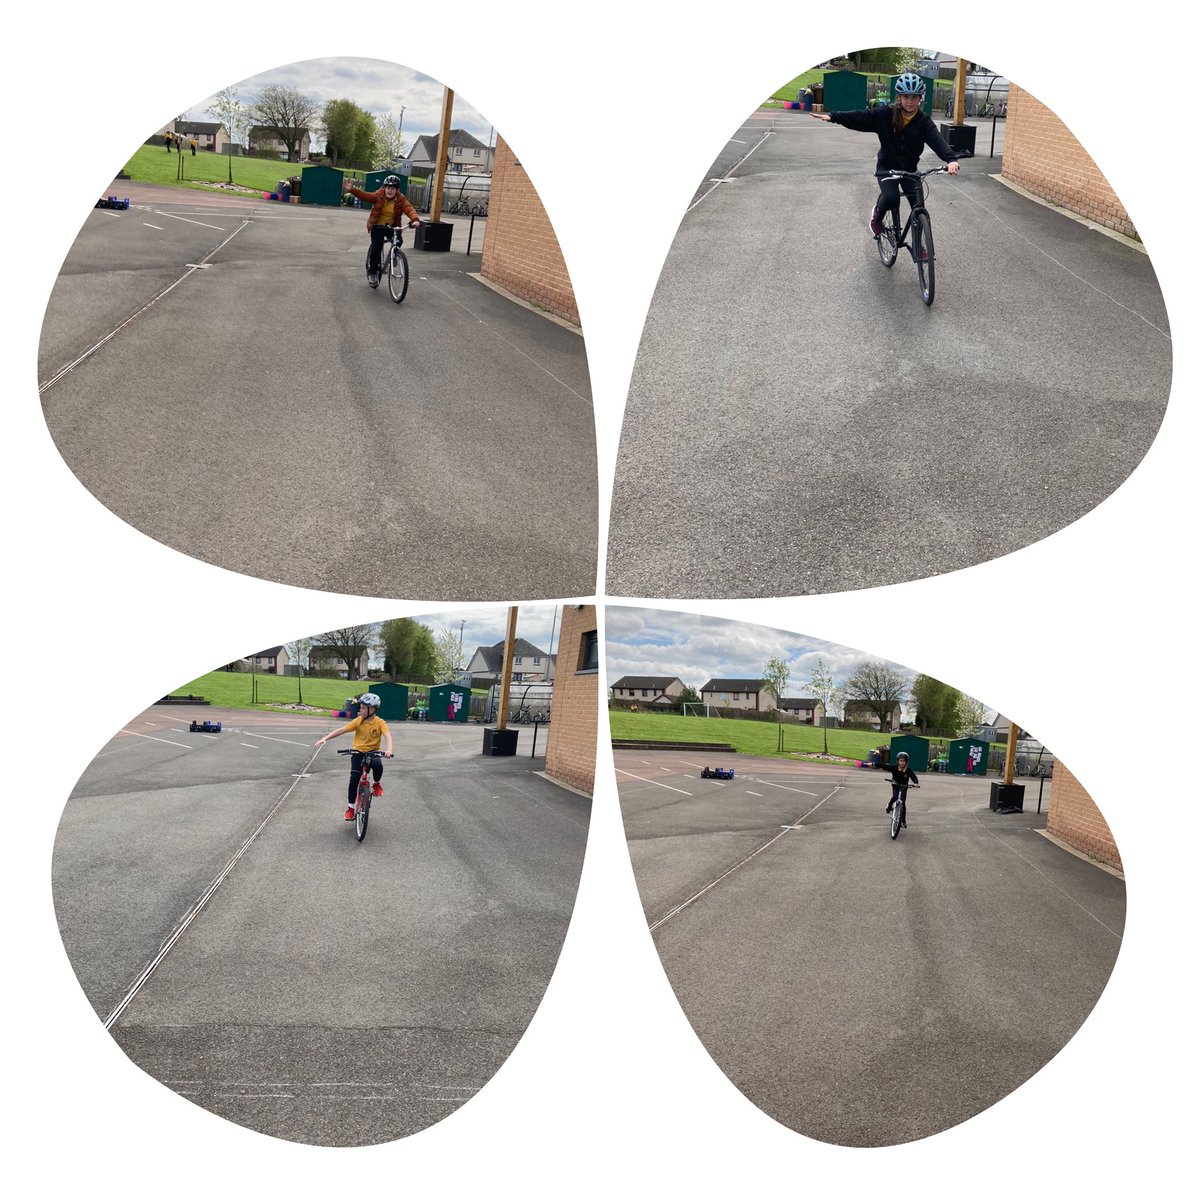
{"x": 392, "y": 181}
{"x": 902, "y": 755}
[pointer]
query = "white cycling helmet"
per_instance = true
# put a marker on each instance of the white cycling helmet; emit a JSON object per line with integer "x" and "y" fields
{"x": 910, "y": 84}
{"x": 369, "y": 698}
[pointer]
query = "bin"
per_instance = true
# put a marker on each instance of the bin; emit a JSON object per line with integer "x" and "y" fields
{"x": 1008, "y": 797}
{"x": 959, "y": 137}
{"x": 806, "y": 99}
{"x": 434, "y": 235}
{"x": 500, "y": 742}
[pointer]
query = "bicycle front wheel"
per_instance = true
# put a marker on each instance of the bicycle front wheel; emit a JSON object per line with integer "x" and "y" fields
{"x": 897, "y": 817}
{"x": 398, "y": 275}
{"x": 888, "y": 242}
{"x": 923, "y": 249}
{"x": 361, "y": 811}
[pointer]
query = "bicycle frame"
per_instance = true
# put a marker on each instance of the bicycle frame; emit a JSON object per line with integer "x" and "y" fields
{"x": 362, "y": 802}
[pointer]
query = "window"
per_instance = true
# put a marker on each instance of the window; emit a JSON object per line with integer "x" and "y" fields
{"x": 518, "y": 658}
{"x": 737, "y": 695}
{"x": 645, "y": 691}
{"x": 589, "y": 652}
{"x": 476, "y": 153}
{"x": 537, "y": 662}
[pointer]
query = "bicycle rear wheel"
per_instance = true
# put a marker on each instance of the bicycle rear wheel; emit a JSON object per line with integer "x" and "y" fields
{"x": 397, "y": 275}
{"x": 923, "y": 252}
{"x": 888, "y": 241}
{"x": 361, "y": 811}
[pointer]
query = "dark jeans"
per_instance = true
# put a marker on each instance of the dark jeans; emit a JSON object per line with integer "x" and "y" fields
{"x": 899, "y": 792}
{"x": 889, "y": 194}
{"x": 356, "y": 762}
{"x": 379, "y": 235}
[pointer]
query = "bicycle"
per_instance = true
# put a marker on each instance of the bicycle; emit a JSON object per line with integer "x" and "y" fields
{"x": 893, "y": 239}
{"x": 899, "y": 805}
{"x": 395, "y": 266}
{"x": 362, "y": 802}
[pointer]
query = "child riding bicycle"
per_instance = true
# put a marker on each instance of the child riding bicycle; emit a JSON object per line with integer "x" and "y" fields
{"x": 370, "y": 730}
{"x": 902, "y": 777}
{"x": 388, "y": 206}
{"x": 904, "y": 131}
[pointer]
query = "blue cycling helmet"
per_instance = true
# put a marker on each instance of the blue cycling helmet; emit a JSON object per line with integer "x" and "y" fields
{"x": 910, "y": 84}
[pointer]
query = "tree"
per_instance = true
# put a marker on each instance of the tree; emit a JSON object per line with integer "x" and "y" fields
{"x": 970, "y": 716}
{"x": 937, "y": 704}
{"x": 349, "y": 643}
{"x": 775, "y": 680}
{"x": 389, "y": 145}
{"x": 880, "y": 686}
{"x": 689, "y": 695}
{"x": 349, "y": 132}
{"x": 287, "y": 113}
{"x": 821, "y": 684}
{"x": 893, "y": 59}
{"x": 407, "y": 647}
{"x": 448, "y": 661}
{"x": 230, "y": 111}
{"x": 297, "y": 653}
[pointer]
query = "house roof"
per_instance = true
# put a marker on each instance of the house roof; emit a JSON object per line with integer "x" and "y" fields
{"x": 798, "y": 702}
{"x": 868, "y": 704}
{"x": 330, "y": 652}
{"x": 198, "y": 126}
{"x": 658, "y": 682}
{"x": 273, "y": 652}
{"x": 265, "y": 129}
{"x": 428, "y": 143}
{"x": 733, "y": 685}
{"x": 493, "y": 656}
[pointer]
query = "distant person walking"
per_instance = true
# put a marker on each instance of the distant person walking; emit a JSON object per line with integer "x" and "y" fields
{"x": 167, "y": 139}
{"x": 903, "y": 131}
{"x": 193, "y": 145}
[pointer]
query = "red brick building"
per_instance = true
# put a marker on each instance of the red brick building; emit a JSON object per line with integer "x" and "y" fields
{"x": 520, "y": 252}
{"x": 575, "y": 703}
{"x": 1044, "y": 157}
{"x": 1075, "y": 819}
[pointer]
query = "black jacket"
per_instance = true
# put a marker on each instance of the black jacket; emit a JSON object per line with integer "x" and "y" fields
{"x": 897, "y": 151}
{"x": 903, "y": 778}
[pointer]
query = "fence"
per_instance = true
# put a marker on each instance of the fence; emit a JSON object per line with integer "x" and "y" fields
{"x": 465, "y": 195}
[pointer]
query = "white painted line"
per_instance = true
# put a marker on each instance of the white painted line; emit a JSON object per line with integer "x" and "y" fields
{"x": 758, "y": 794}
{"x": 165, "y": 741}
{"x": 194, "y": 911}
{"x": 130, "y": 320}
{"x": 263, "y": 737}
{"x": 689, "y": 764}
{"x": 175, "y": 217}
{"x": 729, "y": 173}
{"x": 160, "y": 228}
{"x": 653, "y": 781}
{"x": 199, "y": 266}
{"x": 248, "y": 745}
{"x": 768, "y": 783}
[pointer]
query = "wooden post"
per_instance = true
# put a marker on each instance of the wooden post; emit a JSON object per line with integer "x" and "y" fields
{"x": 510, "y": 638}
{"x": 443, "y": 166}
{"x": 1010, "y": 752}
{"x": 960, "y": 92}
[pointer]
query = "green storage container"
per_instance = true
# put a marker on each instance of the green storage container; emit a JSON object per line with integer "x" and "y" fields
{"x": 844, "y": 91}
{"x": 968, "y": 756}
{"x": 321, "y": 185}
{"x": 449, "y": 702}
{"x": 393, "y": 700}
{"x": 917, "y": 749}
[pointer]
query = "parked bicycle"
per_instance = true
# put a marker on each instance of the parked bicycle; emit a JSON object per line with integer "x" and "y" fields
{"x": 899, "y": 806}
{"x": 394, "y": 265}
{"x": 893, "y": 239}
{"x": 362, "y": 800}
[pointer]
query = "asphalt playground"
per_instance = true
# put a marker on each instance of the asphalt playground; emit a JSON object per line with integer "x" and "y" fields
{"x": 791, "y": 394}
{"x": 327, "y": 991}
{"x": 216, "y": 371}
{"x": 859, "y": 990}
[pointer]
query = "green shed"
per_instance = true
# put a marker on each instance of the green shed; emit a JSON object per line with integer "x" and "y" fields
{"x": 393, "y": 699}
{"x": 926, "y": 104}
{"x": 449, "y": 702}
{"x": 844, "y": 91}
{"x": 917, "y": 749}
{"x": 968, "y": 756}
{"x": 373, "y": 181}
{"x": 321, "y": 185}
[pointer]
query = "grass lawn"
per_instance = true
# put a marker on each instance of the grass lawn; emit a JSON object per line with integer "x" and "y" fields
{"x": 746, "y": 737}
{"x": 789, "y": 91}
{"x": 230, "y": 689}
{"x": 152, "y": 164}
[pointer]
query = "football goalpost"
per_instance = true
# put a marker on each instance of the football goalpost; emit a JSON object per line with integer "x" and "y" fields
{"x": 692, "y": 708}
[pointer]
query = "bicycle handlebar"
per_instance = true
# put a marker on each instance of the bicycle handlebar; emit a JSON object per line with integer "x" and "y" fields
{"x": 368, "y": 753}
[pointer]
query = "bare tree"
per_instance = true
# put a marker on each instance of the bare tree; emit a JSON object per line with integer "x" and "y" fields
{"x": 826, "y": 691}
{"x": 971, "y": 714}
{"x": 448, "y": 660}
{"x": 230, "y": 111}
{"x": 880, "y": 686}
{"x": 389, "y": 145}
{"x": 349, "y": 644}
{"x": 775, "y": 681}
{"x": 297, "y": 653}
{"x": 287, "y": 113}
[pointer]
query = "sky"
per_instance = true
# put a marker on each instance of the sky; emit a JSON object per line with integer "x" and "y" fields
{"x": 372, "y": 84}
{"x": 697, "y": 648}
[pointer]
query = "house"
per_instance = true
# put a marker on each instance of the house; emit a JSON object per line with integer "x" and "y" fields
{"x": 269, "y": 662}
{"x": 806, "y": 710}
{"x": 662, "y": 690}
{"x": 209, "y": 135}
{"x": 738, "y": 693}
{"x": 326, "y": 658}
{"x": 264, "y": 140}
{"x": 468, "y": 155}
{"x": 860, "y": 712}
{"x": 530, "y": 665}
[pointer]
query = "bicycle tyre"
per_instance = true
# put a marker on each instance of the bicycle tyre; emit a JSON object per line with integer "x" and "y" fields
{"x": 362, "y": 810}
{"x": 888, "y": 241}
{"x": 397, "y": 275}
{"x": 897, "y": 818}
{"x": 923, "y": 252}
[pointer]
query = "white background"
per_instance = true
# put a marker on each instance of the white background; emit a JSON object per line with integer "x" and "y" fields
{"x": 609, "y": 1089}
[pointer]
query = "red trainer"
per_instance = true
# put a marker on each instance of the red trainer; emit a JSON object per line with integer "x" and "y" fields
{"x": 377, "y": 790}
{"x": 349, "y": 812}
{"x": 875, "y": 223}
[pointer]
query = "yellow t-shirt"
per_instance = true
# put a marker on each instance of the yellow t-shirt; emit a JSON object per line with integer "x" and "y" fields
{"x": 906, "y": 117}
{"x": 388, "y": 213}
{"x": 368, "y": 732}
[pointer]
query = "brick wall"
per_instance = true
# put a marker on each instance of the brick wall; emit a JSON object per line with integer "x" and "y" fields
{"x": 575, "y": 704}
{"x": 1042, "y": 155}
{"x": 520, "y": 251}
{"x": 1075, "y": 818}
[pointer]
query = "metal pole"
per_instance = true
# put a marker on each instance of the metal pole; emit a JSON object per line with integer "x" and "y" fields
{"x": 533, "y": 752}
{"x": 992, "y": 152}
{"x": 1041, "y": 784}
{"x": 470, "y": 233}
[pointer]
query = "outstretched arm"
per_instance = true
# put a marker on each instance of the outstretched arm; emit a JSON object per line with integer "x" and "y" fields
{"x": 335, "y": 733}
